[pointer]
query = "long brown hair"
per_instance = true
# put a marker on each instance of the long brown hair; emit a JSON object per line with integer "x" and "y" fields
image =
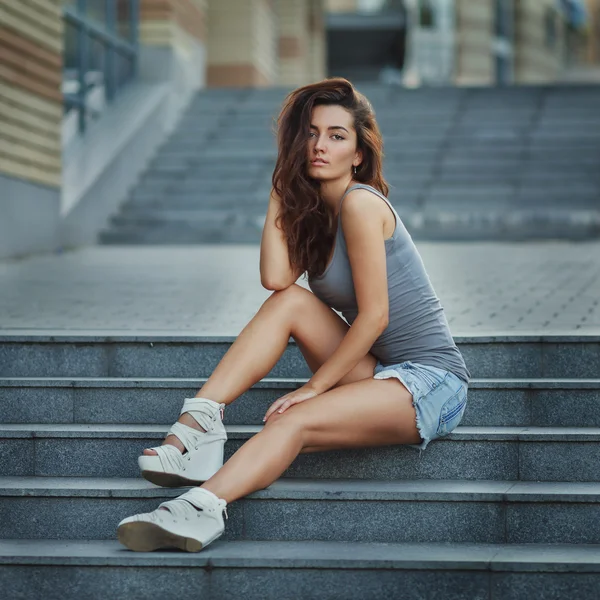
{"x": 305, "y": 219}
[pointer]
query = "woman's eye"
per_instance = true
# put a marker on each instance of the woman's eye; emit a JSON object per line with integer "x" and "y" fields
{"x": 335, "y": 135}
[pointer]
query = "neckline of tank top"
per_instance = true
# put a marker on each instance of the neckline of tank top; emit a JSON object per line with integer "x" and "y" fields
{"x": 335, "y": 240}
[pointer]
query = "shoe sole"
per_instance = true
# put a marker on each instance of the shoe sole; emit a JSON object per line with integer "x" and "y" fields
{"x": 146, "y": 537}
{"x": 169, "y": 479}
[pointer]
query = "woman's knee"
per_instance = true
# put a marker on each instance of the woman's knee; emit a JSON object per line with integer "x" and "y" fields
{"x": 287, "y": 421}
{"x": 294, "y": 294}
{"x": 291, "y": 300}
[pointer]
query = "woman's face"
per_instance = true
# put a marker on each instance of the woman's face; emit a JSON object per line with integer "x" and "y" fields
{"x": 331, "y": 143}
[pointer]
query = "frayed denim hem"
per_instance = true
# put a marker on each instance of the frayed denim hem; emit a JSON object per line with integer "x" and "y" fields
{"x": 420, "y": 447}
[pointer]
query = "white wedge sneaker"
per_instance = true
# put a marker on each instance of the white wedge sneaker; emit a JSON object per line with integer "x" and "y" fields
{"x": 194, "y": 520}
{"x": 204, "y": 456}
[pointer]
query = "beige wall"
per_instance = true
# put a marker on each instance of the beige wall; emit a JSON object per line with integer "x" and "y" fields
{"x": 242, "y": 38}
{"x": 180, "y": 25}
{"x": 593, "y": 41}
{"x": 474, "y": 63}
{"x": 535, "y": 62}
{"x": 265, "y": 40}
{"x": 340, "y": 5}
{"x": 317, "y": 41}
{"x": 301, "y": 41}
{"x": 293, "y": 41}
{"x": 163, "y": 21}
{"x": 31, "y": 38}
{"x": 249, "y": 42}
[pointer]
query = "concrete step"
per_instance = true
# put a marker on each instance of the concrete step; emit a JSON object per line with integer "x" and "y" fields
{"x": 507, "y": 225}
{"x": 168, "y": 186}
{"x": 240, "y": 145}
{"x": 499, "y": 453}
{"x": 201, "y": 151}
{"x": 200, "y": 219}
{"x": 188, "y": 179}
{"x": 59, "y": 354}
{"x": 199, "y": 170}
{"x": 483, "y": 512}
{"x": 180, "y": 233}
{"x": 539, "y": 175}
{"x": 253, "y": 202}
{"x": 199, "y": 201}
{"x": 216, "y": 185}
{"x": 538, "y": 160}
{"x": 170, "y": 159}
{"x": 492, "y": 403}
{"x": 201, "y": 197}
{"x": 291, "y": 570}
{"x": 492, "y": 199}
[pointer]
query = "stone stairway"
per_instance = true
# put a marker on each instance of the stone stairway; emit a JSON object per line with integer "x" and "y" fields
{"x": 463, "y": 163}
{"x": 506, "y": 507}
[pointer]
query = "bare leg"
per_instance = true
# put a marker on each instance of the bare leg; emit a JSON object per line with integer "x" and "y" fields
{"x": 294, "y": 312}
{"x": 344, "y": 417}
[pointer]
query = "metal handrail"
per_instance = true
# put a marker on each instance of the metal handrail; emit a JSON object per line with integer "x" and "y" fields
{"x": 87, "y": 29}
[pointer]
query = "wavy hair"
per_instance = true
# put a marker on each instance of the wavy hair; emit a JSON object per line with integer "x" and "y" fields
{"x": 304, "y": 217}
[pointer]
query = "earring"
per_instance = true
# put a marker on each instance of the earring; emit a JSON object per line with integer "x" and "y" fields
{"x": 355, "y": 169}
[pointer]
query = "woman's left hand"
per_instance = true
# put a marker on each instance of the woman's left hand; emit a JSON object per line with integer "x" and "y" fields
{"x": 283, "y": 403}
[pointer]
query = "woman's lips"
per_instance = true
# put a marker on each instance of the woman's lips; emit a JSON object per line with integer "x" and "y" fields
{"x": 318, "y": 163}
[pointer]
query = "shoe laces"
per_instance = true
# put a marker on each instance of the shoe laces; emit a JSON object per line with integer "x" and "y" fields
{"x": 203, "y": 412}
{"x": 170, "y": 456}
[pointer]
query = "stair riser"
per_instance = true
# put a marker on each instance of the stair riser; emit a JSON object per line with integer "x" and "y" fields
{"x": 179, "y": 236}
{"x": 184, "y": 203}
{"x": 61, "y": 582}
{"x": 181, "y": 230}
{"x": 501, "y": 232}
{"x": 169, "y": 186}
{"x": 199, "y": 359}
{"x": 152, "y": 405}
{"x": 445, "y": 458}
{"x": 175, "y": 223}
{"x": 320, "y": 520}
{"x": 448, "y": 170}
{"x": 177, "y": 239}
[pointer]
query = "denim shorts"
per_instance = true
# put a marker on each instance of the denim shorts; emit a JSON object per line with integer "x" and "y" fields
{"x": 439, "y": 397}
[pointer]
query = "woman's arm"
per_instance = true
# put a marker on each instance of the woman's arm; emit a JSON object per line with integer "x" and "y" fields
{"x": 363, "y": 220}
{"x": 276, "y": 272}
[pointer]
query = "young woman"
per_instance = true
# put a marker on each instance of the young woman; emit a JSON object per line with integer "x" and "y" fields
{"x": 390, "y": 373}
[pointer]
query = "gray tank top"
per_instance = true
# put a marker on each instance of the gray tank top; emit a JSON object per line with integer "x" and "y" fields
{"x": 417, "y": 330}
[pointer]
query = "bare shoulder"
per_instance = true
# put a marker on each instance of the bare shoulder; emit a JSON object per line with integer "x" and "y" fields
{"x": 363, "y": 204}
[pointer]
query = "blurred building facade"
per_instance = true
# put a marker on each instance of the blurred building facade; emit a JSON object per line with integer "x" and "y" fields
{"x": 484, "y": 42}
{"x": 488, "y": 42}
{"x": 90, "y": 88}
{"x": 366, "y": 39}
{"x": 131, "y": 65}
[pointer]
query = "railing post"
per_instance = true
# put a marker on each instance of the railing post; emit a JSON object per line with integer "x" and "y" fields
{"x": 111, "y": 26}
{"x": 83, "y": 58}
{"x": 134, "y": 17}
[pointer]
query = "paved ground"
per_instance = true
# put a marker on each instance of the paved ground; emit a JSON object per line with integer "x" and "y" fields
{"x": 485, "y": 288}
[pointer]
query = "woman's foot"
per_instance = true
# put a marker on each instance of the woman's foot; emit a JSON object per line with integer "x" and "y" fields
{"x": 189, "y": 522}
{"x": 197, "y": 453}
